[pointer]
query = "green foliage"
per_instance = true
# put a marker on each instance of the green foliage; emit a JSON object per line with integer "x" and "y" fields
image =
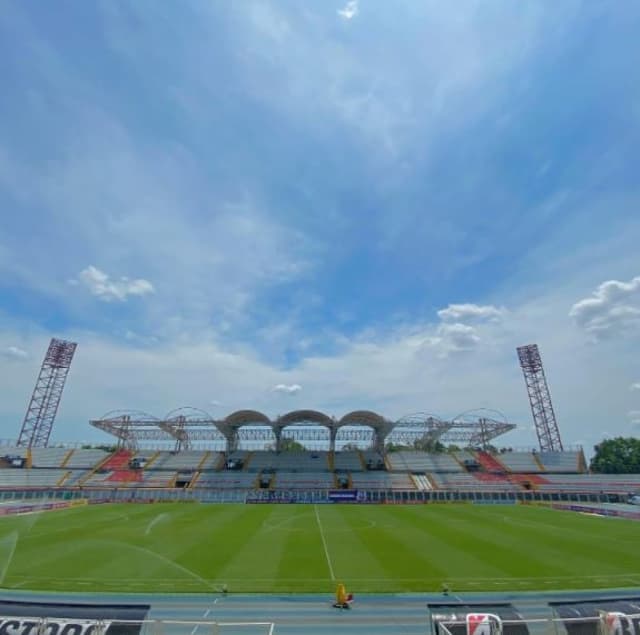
{"x": 397, "y": 447}
{"x": 617, "y": 456}
{"x": 106, "y": 448}
{"x": 427, "y": 444}
{"x": 290, "y": 445}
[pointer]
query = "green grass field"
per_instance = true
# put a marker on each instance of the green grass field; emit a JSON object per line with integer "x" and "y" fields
{"x": 297, "y": 548}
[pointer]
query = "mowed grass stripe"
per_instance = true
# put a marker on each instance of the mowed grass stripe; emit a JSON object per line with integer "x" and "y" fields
{"x": 498, "y": 545}
{"x": 347, "y": 528}
{"x": 194, "y": 547}
{"x": 396, "y": 552}
{"x": 543, "y": 553}
{"x": 445, "y": 543}
{"x": 303, "y": 558}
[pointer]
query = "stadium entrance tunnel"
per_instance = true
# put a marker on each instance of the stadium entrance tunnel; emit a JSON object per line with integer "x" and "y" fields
{"x": 476, "y": 619}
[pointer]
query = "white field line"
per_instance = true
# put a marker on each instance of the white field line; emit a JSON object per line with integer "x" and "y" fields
{"x": 15, "y": 536}
{"x": 204, "y": 617}
{"x": 324, "y": 544}
{"x": 153, "y": 523}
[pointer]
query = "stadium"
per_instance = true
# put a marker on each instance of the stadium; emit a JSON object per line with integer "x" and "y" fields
{"x": 252, "y": 524}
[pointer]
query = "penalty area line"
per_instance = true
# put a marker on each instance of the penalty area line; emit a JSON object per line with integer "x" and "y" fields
{"x": 324, "y": 544}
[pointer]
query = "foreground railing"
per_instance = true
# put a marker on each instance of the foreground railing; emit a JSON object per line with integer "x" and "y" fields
{"x": 603, "y": 622}
{"x": 78, "y": 626}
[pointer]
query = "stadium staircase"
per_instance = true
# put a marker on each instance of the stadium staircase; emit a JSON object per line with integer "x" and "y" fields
{"x": 67, "y": 458}
{"x": 193, "y": 481}
{"x": 63, "y": 478}
{"x": 539, "y": 463}
{"x": 247, "y": 460}
{"x": 330, "y": 461}
{"x": 152, "y": 459}
{"x": 118, "y": 465}
{"x": 98, "y": 466}
{"x": 203, "y": 461}
{"x": 29, "y": 459}
{"x": 363, "y": 461}
{"x": 489, "y": 463}
{"x": 582, "y": 463}
{"x": 422, "y": 482}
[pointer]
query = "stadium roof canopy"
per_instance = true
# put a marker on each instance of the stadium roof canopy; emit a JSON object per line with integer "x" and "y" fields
{"x": 187, "y": 425}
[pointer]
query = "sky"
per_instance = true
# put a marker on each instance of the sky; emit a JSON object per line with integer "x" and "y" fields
{"x": 277, "y": 205}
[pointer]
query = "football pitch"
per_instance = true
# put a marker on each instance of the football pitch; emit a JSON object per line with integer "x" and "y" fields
{"x": 192, "y": 547}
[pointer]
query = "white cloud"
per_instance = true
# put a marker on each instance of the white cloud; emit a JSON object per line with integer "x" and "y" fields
{"x": 634, "y": 414}
{"x": 613, "y": 309}
{"x": 463, "y": 312}
{"x": 215, "y": 403}
{"x": 635, "y": 386}
{"x": 14, "y": 352}
{"x": 350, "y": 10}
{"x": 287, "y": 389}
{"x": 102, "y": 286}
{"x": 455, "y": 338}
{"x": 454, "y": 335}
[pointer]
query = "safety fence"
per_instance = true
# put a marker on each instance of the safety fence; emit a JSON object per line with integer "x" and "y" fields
{"x": 143, "y": 495}
{"x": 19, "y": 625}
{"x": 600, "y": 622}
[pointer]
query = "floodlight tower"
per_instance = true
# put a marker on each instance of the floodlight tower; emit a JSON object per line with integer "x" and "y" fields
{"x": 544, "y": 417}
{"x": 43, "y": 407}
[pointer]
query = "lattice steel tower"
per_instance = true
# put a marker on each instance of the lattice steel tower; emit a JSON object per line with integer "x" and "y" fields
{"x": 43, "y": 407}
{"x": 544, "y": 417}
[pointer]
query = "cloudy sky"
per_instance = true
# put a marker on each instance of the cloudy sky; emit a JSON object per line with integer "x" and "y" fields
{"x": 364, "y": 204}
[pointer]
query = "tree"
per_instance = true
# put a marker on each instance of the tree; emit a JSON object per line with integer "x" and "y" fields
{"x": 617, "y": 456}
{"x": 290, "y": 445}
{"x": 428, "y": 444}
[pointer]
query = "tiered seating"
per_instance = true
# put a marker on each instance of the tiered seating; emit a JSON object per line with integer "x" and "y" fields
{"x": 48, "y": 457}
{"x": 160, "y": 478}
{"x": 31, "y": 478}
{"x": 612, "y": 483}
{"x": 560, "y": 461}
{"x": 489, "y": 463}
{"x": 306, "y": 480}
{"x": 95, "y": 480}
{"x": 520, "y": 462}
{"x": 289, "y": 461}
{"x": 227, "y": 480}
{"x": 423, "y": 462}
{"x": 88, "y": 458}
{"x": 187, "y": 460}
{"x": 347, "y": 461}
{"x": 467, "y": 481}
{"x": 465, "y": 455}
{"x": 381, "y": 480}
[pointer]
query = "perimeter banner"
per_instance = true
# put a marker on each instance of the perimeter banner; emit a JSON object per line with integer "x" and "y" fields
{"x": 344, "y": 495}
{"x": 24, "y": 618}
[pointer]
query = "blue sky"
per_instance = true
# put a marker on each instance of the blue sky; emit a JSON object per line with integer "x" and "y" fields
{"x": 215, "y": 199}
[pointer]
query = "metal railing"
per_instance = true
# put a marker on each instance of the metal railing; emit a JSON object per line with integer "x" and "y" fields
{"x": 605, "y": 622}
{"x": 81, "y": 626}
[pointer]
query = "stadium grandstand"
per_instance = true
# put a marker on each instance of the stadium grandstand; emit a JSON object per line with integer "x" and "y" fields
{"x": 365, "y": 455}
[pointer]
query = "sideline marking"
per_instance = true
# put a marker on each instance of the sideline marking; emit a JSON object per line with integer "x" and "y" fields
{"x": 324, "y": 544}
{"x": 204, "y": 617}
